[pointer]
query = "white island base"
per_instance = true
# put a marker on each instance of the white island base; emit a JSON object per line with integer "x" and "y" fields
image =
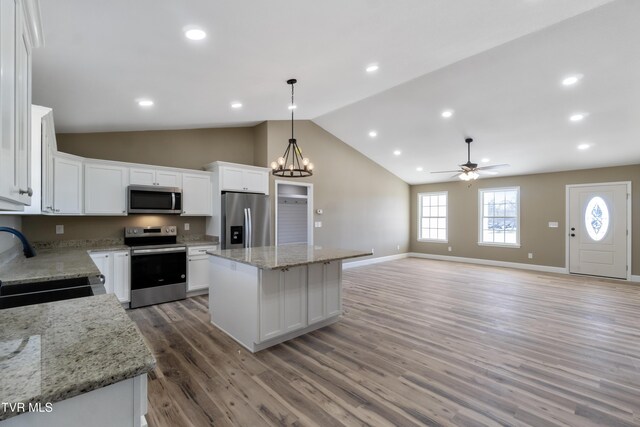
{"x": 261, "y": 307}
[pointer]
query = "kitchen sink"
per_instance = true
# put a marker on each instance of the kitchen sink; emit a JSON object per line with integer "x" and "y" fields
{"x": 48, "y": 291}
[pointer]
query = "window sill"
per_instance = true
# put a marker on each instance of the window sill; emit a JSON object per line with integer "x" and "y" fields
{"x": 500, "y": 245}
{"x": 433, "y": 241}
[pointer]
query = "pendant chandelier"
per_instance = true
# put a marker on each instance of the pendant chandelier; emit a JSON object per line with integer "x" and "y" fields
{"x": 292, "y": 164}
{"x": 469, "y": 175}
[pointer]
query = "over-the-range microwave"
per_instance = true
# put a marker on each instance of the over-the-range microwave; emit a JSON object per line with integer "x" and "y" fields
{"x": 148, "y": 199}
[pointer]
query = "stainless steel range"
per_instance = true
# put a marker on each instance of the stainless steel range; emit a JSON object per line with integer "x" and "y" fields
{"x": 158, "y": 265}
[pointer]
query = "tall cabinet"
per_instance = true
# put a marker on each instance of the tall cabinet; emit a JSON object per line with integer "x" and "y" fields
{"x": 20, "y": 31}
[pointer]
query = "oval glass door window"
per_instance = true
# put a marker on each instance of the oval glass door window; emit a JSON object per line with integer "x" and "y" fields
{"x": 596, "y": 218}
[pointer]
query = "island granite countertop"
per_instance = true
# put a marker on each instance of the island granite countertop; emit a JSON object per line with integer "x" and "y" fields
{"x": 273, "y": 257}
{"x": 54, "y": 351}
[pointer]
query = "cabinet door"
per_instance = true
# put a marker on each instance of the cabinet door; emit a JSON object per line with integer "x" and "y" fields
{"x": 140, "y": 176}
{"x": 315, "y": 293}
{"x": 168, "y": 178}
{"x": 295, "y": 298}
{"x": 23, "y": 110}
{"x": 256, "y": 181}
{"x": 7, "y": 100}
{"x": 48, "y": 148}
{"x": 271, "y": 304}
{"x": 196, "y": 195}
{"x": 333, "y": 288}
{"x": 198, "y": 273}
{"x": 105, "y": 189}
{"x": 67, "y": 186}
{"x": 232, "y": 179}
{"x": 102, "y": 260}
{"x": 121, "y": 276}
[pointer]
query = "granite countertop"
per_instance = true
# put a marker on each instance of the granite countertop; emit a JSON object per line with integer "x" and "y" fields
{"x": 54, "y": 351}
{"x": 272, "y": 257}
{"x": 48, "y": 264}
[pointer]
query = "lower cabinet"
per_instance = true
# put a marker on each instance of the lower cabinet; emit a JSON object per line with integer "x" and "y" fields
{"x": 283, "y": 301}
{"x": 115, "y": 267}
{"x": 323, "y": 286}
{"x": 198, "y": 268}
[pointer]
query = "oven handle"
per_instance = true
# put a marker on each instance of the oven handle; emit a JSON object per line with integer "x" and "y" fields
{"x": 135, "y": 252}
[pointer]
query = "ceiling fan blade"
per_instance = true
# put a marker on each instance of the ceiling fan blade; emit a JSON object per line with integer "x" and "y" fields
{"x": 458, "y": 171}
{"x": 493, "y": 166}
{"x": 487, "y": 172}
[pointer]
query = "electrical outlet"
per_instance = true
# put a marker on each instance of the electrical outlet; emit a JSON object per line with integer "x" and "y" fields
{"x": 186, "y": 226}
{"x": 530, "y": 255}
{"x": 373, "y": 251}
{"x": 59, "y": 229}
{"x": 398, "y": 247}
{"x": 318, "y": 224}
{"x": 449, "y": 248}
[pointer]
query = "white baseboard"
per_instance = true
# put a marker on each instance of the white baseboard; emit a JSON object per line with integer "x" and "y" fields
{"x": 635, "y": 278}
{"x": 522, "y": 266}
{"x": 360, "y": 263}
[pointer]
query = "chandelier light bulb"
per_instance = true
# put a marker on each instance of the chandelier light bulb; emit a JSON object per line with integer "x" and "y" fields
{"x": 305, "y": 161}
{"x": 274, "y": 165}
{"x": 310, "y": 166}
{"x": 281, "y": 161}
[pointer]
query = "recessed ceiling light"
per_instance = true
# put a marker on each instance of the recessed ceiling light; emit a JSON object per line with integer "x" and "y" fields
{"x": 236, "y": 105}
{"x": 292, "y": 107}
{"x": 372, "y": 68}
{"x": 485, "y": 160}
{"x": 195, "y": 34}
{"x": 373, "y": 134}
{"x": 397, "y": 152}
{"x": 419, "y": 169}
{"x": 577, "y": 117}
{"x": 145, "y": 103}
{"x": 447, "y": 113}
{"x": 571, "y": 80}
{"x": 584, "y": 146}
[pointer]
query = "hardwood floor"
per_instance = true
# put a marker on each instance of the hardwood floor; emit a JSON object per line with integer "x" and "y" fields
{"x": 421, "y": 343}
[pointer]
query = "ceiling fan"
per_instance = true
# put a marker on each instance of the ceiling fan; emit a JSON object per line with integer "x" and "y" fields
{"x": 469, "y": 170}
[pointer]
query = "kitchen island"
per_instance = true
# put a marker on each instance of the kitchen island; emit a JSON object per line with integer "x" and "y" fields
{"x": 266, "y": 295}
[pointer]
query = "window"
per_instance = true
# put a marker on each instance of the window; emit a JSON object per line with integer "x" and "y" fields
{"x": 500, "y": 216}
{"x": 432, "y": 210}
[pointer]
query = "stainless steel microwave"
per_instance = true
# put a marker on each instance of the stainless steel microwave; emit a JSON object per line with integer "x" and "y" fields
{"x": 147, "y": 199}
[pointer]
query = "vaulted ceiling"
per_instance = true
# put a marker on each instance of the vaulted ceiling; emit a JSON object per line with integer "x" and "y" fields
{"x": 497, "y": 64}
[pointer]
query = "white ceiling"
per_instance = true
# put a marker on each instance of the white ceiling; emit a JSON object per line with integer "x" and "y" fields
{"x": 99, "y": 57}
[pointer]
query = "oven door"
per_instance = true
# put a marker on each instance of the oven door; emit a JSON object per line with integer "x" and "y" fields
{"x": 158, "y": 275}
{"x": 146, "y": 199}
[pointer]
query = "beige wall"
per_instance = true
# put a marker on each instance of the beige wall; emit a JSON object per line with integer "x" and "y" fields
{"x": 542, "y": 199}
{"x": 191, "y": 148}
{"x": 43, "y": 228}
{"x": 7, "y": 241}
{"x": 365, "y": 206}
{"x": 260, "y": 145}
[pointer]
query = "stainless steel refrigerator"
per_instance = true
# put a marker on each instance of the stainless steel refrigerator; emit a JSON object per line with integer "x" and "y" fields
{"x": 246, "y": 220}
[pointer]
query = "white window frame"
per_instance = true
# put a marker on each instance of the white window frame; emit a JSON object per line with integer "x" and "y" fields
{"x": 481, "y": 191}
{"x": 432, "y": 193}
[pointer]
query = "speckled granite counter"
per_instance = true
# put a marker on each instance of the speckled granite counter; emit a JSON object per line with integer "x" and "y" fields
{"x": 272, "y": 257}
{"x": 54, "y": 351}
{"x": 49, "y": 264}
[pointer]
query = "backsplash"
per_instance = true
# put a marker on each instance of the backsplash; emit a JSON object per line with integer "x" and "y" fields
{"x": 42, "y": 228}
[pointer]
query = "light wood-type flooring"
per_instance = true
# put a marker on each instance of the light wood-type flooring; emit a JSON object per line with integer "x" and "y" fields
{"x": 421, "y": 342}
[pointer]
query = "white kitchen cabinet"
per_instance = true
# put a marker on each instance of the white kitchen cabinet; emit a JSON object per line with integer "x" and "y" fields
{"x": 67, "y": 185}
{"x": 198, "y": 276}
{"x": 196, "y": 194}
{"x": 19, "y": 30}
{"x": 283, "y": 301}
{"x": 324, "y": 290}
{"x": 105, "y": 188}
{"x": 248, "y": 179}
{"x": 115, "y": 267}
{"x": 159, "y": 177}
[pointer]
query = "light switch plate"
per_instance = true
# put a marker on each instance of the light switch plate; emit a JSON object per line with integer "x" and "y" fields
{"x": 186, "y": 226}
{"x": 318, "y": 224}
{"x": 553, "y": 224}
{"x": 59, "y": 229}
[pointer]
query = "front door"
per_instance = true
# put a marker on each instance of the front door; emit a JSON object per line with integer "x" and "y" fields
{"x": 598, "y": 230}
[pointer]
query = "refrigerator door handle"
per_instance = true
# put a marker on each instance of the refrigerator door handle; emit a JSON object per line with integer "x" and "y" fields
{"x": 250, "y": 224}
{"x": 245, "y": 229}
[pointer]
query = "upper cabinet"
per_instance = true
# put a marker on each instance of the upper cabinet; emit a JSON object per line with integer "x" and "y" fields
{"x": 196, "y": 194}
{"x": 105, "y": 188}
{"x": 67, "y": 185}
{"x": 159, "y": 177}
{"x": 243, "y": 178}
{"x": 20, "y": 31}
